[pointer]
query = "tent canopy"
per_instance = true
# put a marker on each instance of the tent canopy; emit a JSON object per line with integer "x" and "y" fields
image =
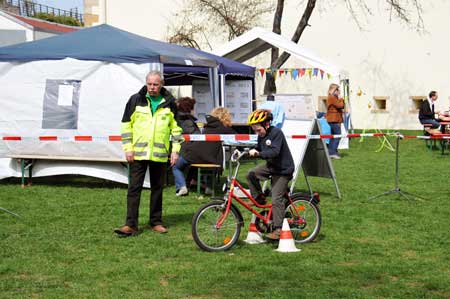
{"x": 259, "y": 40}
{"x": 107, "y": 43}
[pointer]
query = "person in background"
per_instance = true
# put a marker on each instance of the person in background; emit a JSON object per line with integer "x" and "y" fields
{"x": 148, "y": 123}
{"x": 335, "y": 109}
{"x": 276, "y": 109}
{"x": 444, "y": 117}
{"x": 272, "y": 147}
{"x": 211, "y": 152}
{"x": 188, "y": 123}
{"x": 427, "y": 113}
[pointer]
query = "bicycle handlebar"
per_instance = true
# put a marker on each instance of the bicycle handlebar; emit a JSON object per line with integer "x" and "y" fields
{"x": 237, "y": 155}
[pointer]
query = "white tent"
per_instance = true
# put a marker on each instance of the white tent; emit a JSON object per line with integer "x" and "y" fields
{"x": 259, "y": 40}
{"x": 310, "y": 155}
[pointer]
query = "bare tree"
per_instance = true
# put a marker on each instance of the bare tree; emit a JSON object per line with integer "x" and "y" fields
{"x": 225, "y": 19}
{"x": 204, "y": 18}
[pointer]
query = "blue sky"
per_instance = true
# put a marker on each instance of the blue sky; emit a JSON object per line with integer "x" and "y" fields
{"x": 63, "y": 4}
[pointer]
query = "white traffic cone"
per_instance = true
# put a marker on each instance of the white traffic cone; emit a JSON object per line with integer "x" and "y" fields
{"x": 287, "y": 243}
{"x": 254, "y": 236}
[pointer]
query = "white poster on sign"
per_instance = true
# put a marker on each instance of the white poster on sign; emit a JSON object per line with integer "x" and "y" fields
{"x": 65, "y": 94}
{"x": 238, "y": 99}
{"x": 297, "y": 106}
{"x": 203, "y": 99}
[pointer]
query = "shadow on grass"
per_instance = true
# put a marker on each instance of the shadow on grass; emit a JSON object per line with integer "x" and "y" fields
{"x": 174, "y": 219}
{"x": 67, "y": 181}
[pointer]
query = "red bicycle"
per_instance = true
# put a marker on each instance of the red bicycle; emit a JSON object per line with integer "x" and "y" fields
{"x": 216, "y": 226}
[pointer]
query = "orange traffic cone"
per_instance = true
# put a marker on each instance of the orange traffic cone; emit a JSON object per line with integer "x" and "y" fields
{"x": 254, "y": 236}
{"x": 287, "y": 243}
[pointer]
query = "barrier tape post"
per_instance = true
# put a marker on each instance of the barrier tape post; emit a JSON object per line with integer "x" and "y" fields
{"x": 396, "y": 189}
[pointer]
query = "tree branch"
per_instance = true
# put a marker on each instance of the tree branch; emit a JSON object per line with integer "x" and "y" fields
{"x": 298, "y": 32}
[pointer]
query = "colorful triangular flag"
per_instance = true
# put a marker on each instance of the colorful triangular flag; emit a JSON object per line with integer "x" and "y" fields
{"x": 294, "y": 74}
{"x": 262, "y": 71}
{"x": 302, "y": 72}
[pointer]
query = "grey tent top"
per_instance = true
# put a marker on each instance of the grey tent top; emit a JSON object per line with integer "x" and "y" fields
{"x": 107, "y": 43}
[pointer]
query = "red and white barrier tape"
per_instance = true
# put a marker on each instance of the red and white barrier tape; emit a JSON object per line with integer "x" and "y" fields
{"x": 62, "y": 138}
{"x": 212, "y": 137}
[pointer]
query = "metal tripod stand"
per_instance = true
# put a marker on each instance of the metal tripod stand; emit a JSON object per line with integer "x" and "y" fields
{"x": 397, "y": 187}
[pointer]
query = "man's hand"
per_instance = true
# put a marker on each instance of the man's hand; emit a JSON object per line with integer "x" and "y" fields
{"x": 253, "y": 153}
{"x": 129, "y": 156}
{"x": 173, "y": 158}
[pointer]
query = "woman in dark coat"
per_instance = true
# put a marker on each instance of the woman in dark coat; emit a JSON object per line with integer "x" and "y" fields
{"x": 187, "y": 122}
{"x": 204, "y": 152}
{"x": 210, "y": 152}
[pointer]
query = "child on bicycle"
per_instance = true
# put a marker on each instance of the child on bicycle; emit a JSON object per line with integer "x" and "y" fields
{"x": 272, "y": 147}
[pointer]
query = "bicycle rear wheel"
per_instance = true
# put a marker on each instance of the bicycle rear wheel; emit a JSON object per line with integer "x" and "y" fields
{"x": 304, "y": 219}
{"x": 204, "y": 227}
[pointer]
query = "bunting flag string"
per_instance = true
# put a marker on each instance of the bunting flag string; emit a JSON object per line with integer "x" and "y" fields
{"x": 292, "y": 73}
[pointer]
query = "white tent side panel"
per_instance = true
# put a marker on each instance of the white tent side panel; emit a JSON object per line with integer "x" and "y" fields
{"x": 65, "y": 98}
{"x": 89, "y": 98}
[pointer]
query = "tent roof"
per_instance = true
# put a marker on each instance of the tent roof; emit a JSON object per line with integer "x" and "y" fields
{"x": 259, "y": 40}
{"x": 107, "y": 43}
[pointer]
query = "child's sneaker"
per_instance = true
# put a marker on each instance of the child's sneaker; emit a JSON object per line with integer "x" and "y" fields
{"x": 275, "y": 235}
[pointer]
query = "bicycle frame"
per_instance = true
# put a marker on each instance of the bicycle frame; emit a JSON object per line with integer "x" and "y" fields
{"x": 237, "y": 155}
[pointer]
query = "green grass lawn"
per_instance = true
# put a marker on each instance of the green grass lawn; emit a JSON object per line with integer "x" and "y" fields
{"x": 391, "y": 247}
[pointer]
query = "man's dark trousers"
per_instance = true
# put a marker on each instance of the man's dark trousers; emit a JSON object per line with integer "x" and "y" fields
{"x": 157, "y": 171}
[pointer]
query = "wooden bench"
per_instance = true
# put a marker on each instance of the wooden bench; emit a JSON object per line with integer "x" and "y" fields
{"x": 428, "y": 142}
{"x": 208, "y": 170}
{"x": 26, "y": 163}
{"x": 431, "y": 143}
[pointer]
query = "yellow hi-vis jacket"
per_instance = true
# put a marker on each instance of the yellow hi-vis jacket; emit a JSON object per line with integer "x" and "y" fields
{"x": 149, "y": 135}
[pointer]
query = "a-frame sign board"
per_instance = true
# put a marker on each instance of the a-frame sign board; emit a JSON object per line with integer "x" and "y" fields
{"x": 310, "y": 155}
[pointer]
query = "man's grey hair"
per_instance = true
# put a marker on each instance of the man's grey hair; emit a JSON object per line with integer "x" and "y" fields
{"x": 156, "y": 73}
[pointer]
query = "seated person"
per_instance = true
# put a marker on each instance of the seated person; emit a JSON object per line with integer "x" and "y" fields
{"x": 188, "y": 124}
{"x": 204, "y": 152}
{"x": 426, "y": 113}
{"x": 444, "y": 116}
{"x": 272, "y": 146}
{"x": 185, "y": 119}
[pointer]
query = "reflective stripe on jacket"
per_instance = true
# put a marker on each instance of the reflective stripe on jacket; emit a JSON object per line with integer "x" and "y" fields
{"x": 148, "y": 135}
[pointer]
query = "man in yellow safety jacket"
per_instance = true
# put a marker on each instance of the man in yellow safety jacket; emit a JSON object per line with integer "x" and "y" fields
{"x": 149, "y": 131}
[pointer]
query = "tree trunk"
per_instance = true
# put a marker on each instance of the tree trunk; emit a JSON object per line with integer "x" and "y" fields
{"x": 278, "y": 60}
{"x": 298, "y": 32}
{"x": 270, "y": 86}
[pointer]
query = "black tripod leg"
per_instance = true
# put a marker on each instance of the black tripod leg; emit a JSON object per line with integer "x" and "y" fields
{"x": 407, "y": 195}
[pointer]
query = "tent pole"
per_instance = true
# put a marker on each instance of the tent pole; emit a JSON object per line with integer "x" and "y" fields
{"x": 346, "y": 87}
{"x": 222, "y": 90}
{"x": 213, "y": 78}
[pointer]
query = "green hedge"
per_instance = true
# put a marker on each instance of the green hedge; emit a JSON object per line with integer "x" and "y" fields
{"x": 66, "y": 20}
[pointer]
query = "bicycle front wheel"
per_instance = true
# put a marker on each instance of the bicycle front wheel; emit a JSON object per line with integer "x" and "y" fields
{"x": 205, "y": 232}
{"x": 304, "y": 219}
